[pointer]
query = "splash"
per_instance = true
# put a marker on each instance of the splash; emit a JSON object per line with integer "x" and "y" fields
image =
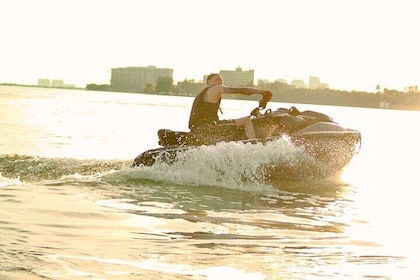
{"x": 233, "y": 165}
{"x": 4, "y": 181}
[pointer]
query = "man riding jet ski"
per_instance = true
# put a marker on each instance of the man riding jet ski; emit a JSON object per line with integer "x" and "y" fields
{"x": 204, "y": 118}
{"x": 321, "y": 137}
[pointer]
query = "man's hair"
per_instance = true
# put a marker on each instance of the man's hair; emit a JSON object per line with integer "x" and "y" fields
{"x": 211, "y": 76}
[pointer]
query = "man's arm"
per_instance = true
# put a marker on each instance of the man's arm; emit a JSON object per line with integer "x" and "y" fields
{"x": 214, "y": 93}
{"x": 249, "y": 91}
{"x": 243, "y": 90}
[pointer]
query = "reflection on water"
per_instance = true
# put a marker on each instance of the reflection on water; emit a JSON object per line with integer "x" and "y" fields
{"x": 123, "y": 228}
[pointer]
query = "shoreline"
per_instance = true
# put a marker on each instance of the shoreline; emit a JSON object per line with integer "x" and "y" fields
{"x": 275, "y": 98}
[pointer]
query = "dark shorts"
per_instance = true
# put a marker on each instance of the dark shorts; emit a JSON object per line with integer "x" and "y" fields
{"x": 215, "y": 132}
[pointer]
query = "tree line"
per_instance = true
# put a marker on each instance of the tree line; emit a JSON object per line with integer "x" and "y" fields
{"x": 283, "y": 92}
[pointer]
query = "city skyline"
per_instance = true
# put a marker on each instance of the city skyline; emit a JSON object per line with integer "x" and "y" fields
{"x": 353, "y": 45}
{"x": 48, "y": 82}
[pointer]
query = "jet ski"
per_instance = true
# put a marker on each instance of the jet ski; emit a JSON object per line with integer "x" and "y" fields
{"x": 318, "y": 134}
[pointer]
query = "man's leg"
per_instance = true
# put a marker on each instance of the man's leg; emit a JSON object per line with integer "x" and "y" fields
{"x": 248, "y": 125}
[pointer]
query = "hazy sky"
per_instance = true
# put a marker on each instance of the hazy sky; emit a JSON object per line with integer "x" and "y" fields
{"x": 350, "y": 44}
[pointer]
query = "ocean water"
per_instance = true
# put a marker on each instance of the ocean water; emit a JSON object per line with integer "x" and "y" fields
{"x": 71, "y": 207}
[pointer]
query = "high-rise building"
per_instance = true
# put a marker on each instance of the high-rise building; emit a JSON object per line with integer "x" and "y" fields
{"x": 238, "y": 77}
{"x": 135, "y": 79}
{"x": 315, "y": 83}
{"x": 44, "y": 82}
{"x": 57, "y": 83}
{"x": 298, "y": 83}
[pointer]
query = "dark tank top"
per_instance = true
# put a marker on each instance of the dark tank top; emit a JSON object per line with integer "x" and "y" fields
{"x": 203, "y": 112}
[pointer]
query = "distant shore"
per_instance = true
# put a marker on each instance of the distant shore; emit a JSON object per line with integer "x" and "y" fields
{"x": 389, "y": 99}
{"x": 36, "y": 86}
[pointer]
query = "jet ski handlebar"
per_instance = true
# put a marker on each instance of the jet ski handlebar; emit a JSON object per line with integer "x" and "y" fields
{"x": 262, "y": 103}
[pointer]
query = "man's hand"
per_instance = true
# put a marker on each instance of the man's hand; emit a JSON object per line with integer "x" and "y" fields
{"x": 267, "y": 95}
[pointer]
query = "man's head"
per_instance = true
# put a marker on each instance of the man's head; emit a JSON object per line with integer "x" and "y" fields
{"x": 214, "y": 79}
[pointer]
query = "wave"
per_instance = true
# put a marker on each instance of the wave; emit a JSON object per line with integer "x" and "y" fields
{"x": 235, "y": 165}
{"x": 32, "y": 169}
{"x": 4, "y": 181}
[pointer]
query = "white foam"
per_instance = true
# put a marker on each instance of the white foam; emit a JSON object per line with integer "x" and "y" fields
{"x": 231, "y": 165}
{"x": 4, "y": 182}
